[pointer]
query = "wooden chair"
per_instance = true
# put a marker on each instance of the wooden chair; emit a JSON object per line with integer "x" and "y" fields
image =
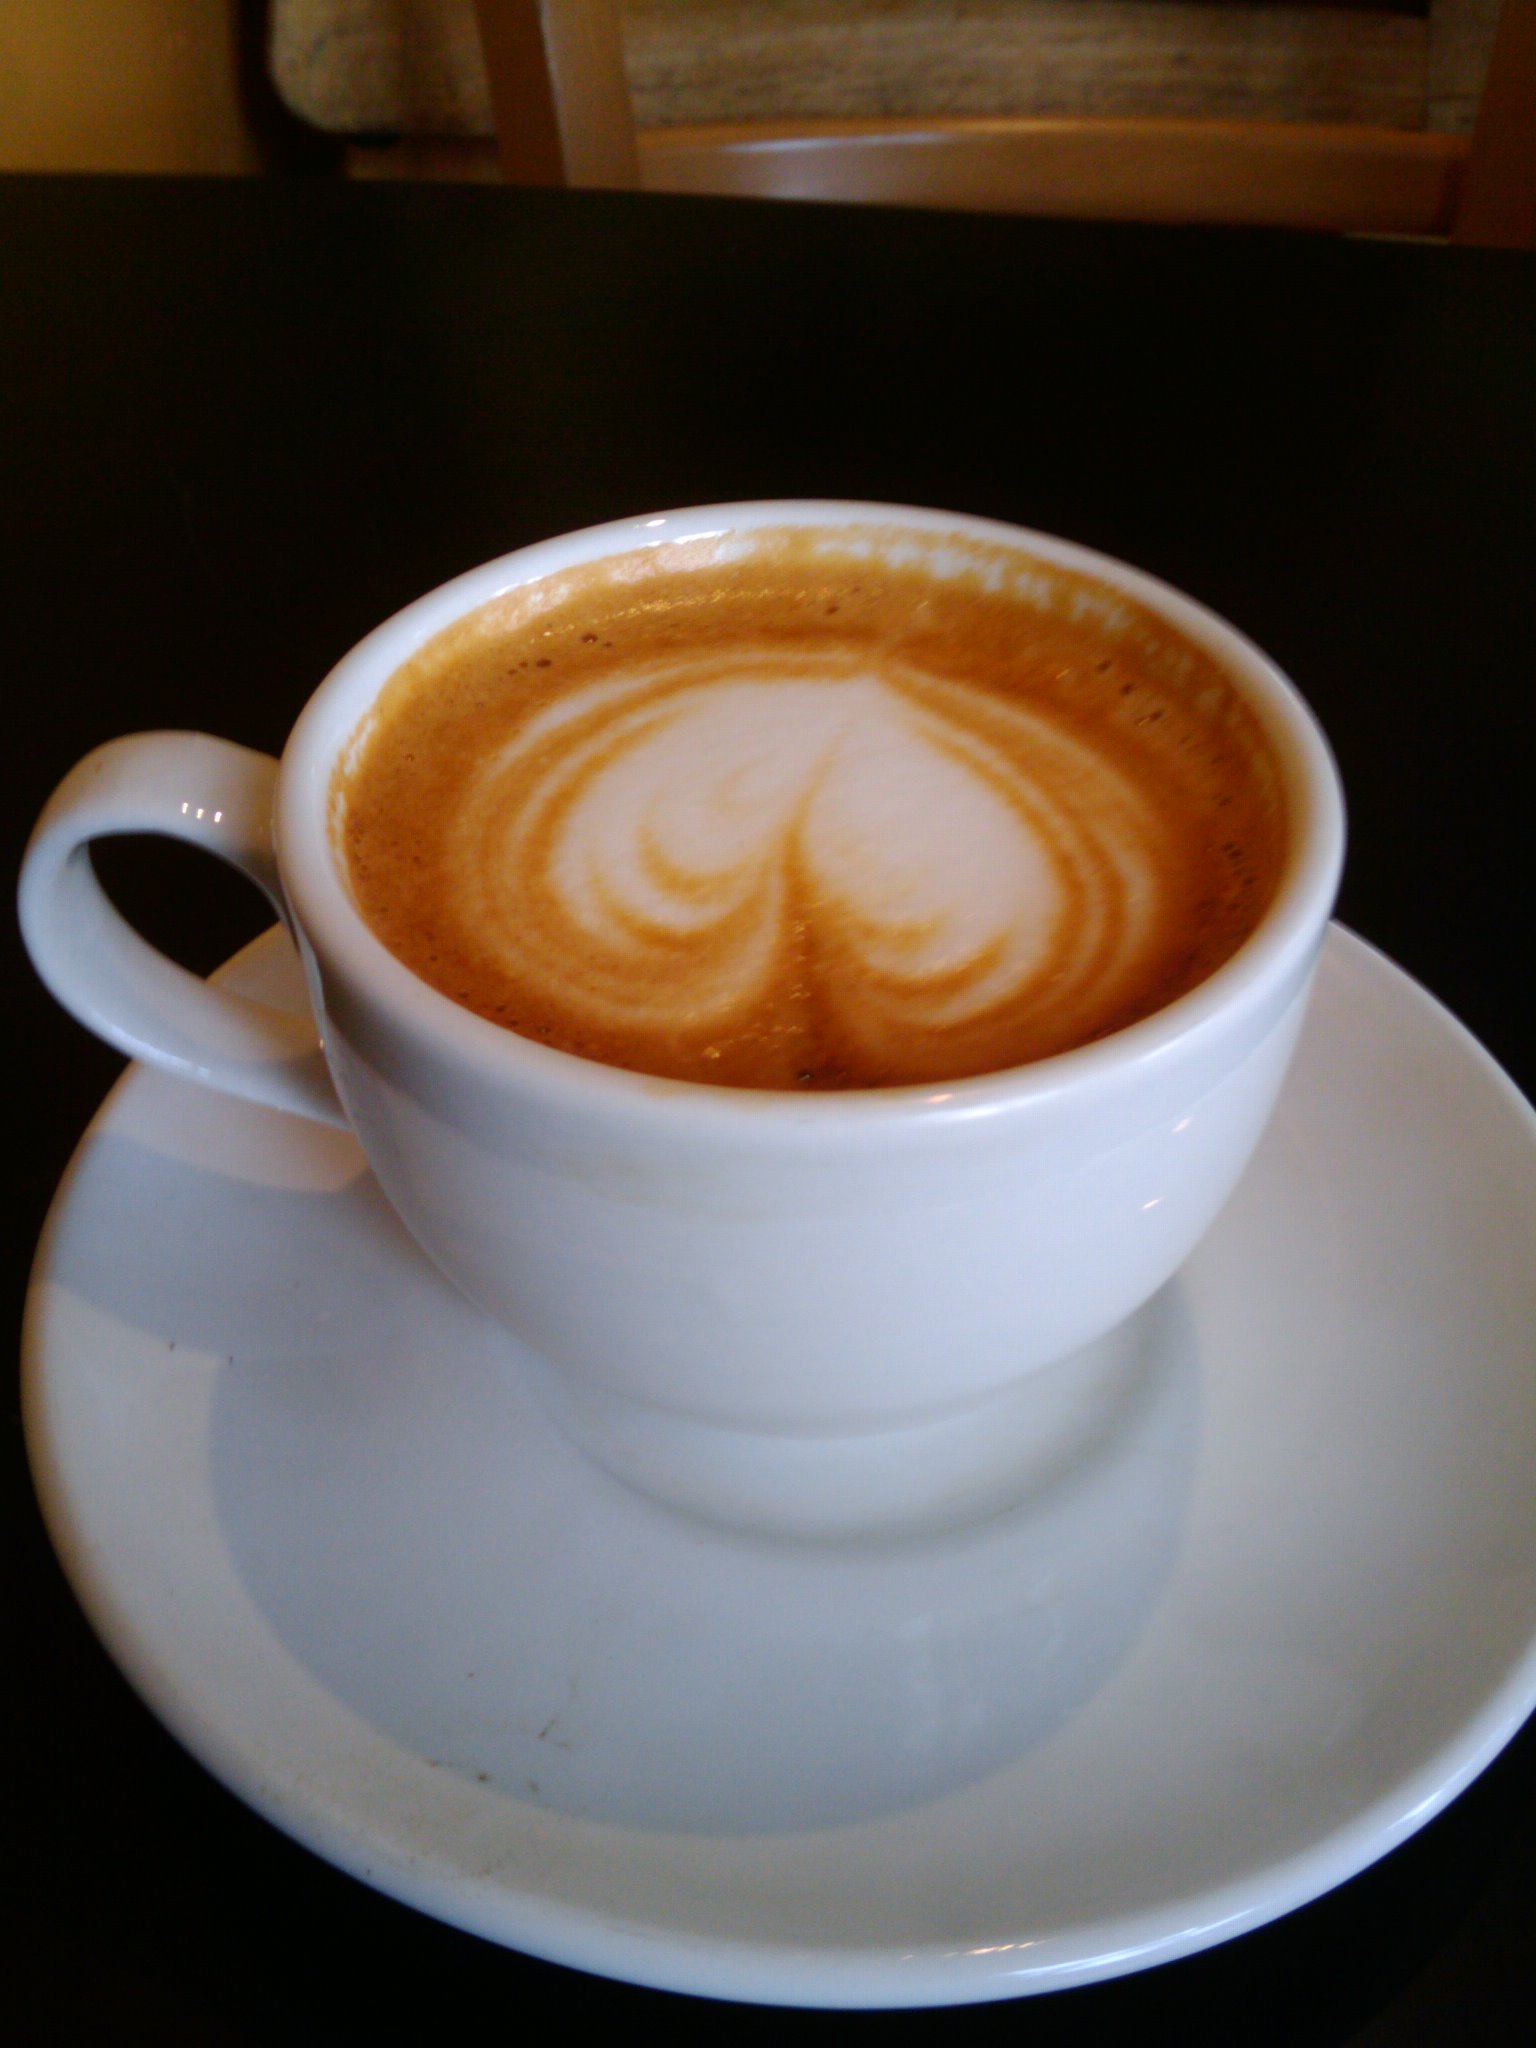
{"x": 563, "y": 116}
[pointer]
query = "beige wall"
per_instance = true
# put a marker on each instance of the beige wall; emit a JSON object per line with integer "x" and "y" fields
{"x": 121, "y": 85}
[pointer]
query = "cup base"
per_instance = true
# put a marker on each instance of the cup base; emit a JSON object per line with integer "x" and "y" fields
{"x": 922, "y": 1479}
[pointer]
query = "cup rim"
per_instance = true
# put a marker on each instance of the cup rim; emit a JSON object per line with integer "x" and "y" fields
{"x": 313, "y": 877}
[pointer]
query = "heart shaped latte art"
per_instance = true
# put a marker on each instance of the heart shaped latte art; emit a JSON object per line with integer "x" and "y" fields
{"x": 793, "y": 845}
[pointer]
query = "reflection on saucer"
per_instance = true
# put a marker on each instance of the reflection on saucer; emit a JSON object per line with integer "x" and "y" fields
{"x": 734, "y": 1685}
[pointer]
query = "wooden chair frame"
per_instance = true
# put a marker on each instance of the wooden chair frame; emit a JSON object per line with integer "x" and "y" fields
{"x": 563, "y": 117}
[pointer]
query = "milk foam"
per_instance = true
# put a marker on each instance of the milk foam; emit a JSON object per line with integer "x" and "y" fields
{"x": 828, "y": 809}
{"x": 671, "y": 851}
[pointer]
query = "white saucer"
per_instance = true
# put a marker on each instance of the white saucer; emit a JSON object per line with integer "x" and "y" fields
{"x": 1278, "y": 1617}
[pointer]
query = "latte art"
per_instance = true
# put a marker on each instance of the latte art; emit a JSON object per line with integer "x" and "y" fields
{"x": 793, "y": 813}
{"x": 676, "y": 849}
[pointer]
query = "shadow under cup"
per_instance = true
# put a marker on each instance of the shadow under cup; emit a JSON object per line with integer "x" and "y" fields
{"x": 881, "y": 1311}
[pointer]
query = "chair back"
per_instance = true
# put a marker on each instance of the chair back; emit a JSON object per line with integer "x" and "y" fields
{"x": 563, "y": 116}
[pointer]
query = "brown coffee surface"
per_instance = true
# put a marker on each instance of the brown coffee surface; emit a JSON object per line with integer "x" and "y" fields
{"x": 812, "y": 809}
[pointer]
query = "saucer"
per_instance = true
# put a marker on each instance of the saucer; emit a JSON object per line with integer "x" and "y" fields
{"x": 1276, "y": 1615}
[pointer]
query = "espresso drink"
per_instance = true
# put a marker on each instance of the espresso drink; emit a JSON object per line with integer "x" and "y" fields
{"x": 812, "y": 808}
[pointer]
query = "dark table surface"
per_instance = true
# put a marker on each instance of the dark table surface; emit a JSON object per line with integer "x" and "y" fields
{"x": 244, "y": 421}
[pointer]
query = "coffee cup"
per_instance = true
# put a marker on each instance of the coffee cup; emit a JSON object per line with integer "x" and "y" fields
{"x": 711, "y": 1063}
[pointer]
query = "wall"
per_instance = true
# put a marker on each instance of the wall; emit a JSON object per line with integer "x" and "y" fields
{"x": 122, "y": 85}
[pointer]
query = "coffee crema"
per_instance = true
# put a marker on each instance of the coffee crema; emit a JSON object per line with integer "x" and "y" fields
{"x": 811, "y": 808}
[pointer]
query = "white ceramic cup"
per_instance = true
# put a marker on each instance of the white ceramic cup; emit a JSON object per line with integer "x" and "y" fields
{"x": 819, "y": 1314}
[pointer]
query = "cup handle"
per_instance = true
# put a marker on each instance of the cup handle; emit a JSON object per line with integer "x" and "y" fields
{"x": 214, "y": 795}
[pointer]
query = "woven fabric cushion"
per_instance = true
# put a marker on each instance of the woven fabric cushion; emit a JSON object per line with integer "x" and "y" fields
{"x": 413, "y": 67}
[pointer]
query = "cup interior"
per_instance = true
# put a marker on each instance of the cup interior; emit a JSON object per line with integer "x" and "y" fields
{"x": 320, "y": 896}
